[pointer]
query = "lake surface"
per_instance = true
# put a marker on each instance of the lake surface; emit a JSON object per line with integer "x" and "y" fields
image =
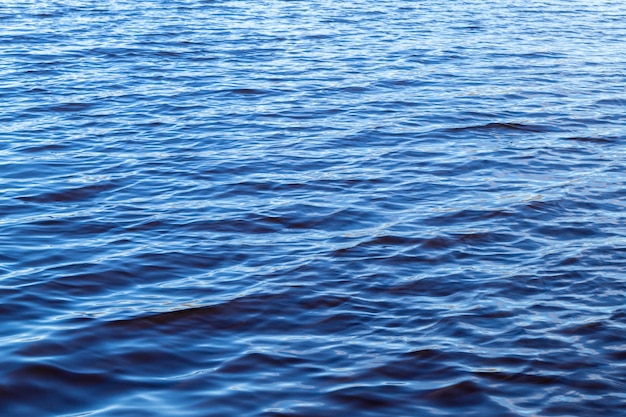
{"x": 312, "y": 208}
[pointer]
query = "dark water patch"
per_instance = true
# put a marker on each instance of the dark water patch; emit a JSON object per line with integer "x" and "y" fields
{"x": 29, "y": 382}
{"x": 612, "y": 102}
{"x": 71, "y": 195}
{"x": 469, "y": 216}
{"x": 503, "y": 127}
{"x": 248, "y": 91}
{"x": 90, "y": 284}
{"x": 592, "y": 139}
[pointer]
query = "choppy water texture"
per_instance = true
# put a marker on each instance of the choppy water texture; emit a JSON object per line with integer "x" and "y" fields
{"x": 312, "y": 208}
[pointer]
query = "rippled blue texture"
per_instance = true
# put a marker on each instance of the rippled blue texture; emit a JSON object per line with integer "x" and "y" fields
{"x": 312, "y": 208}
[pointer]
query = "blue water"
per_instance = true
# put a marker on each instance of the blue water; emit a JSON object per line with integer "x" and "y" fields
{"x": 312, "y": 208}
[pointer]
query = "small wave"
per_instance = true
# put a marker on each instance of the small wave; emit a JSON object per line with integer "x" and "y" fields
{"x": 591, "y": 139}
{"x": 496, "y": 126}
{"x": 71, "y": 195}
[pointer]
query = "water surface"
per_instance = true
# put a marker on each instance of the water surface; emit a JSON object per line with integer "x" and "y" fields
{"x": 312, "y": 208}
